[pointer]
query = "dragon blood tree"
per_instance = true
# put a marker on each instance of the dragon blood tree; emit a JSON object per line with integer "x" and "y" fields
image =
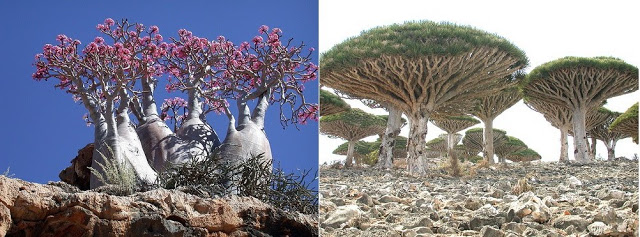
{"x": 352, "y": 126}
{"x": 395, "y": 122}
{"x": 487, "y": 109}
{"x": 580, "y": 84}
{"x": 331, "y": 103}
{"x": 559, "y": 117}
{"x": 602, "y": 132}
{"x": 101, "y": 76}
{"x": 452, "y": 125}
{"x": 510, "y": 146}
{"x": 420, "y": 68}
{"x": 360, "y": 150}
{"x": 524, "y": 156}
{"x": 439, "y": 146}
{"x": 627, "y": 123}
{"x": 473, "y": 139}
{"x": 594, "y": 119}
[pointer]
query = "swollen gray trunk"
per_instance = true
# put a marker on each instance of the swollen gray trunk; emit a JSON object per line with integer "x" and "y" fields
{"x": 385, "y": 153}
{"x": 244, "y": 142}
{"x": 416, "y": 148}
{"x": 581, "y": 152}
{"x": 132, "y": 151}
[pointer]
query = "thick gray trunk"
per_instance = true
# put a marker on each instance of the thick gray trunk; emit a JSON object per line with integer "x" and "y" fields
{"x": 416, "y": 147}
{"x": 109, "y": 145}
{"x": 611, "y": 149}
{"x": 487, "y": 141}
{"x": 451, "y": 140}
{"x": 132, "y": 149}
{"x": 203, "y": 138}
{"x": 385, "y": 153}
{"x": 592, "y": 148}
{"x": 581, "y": 152}
{"x": 242, "y": 143}
{"x": 350, "y": 148}
{"x": 564, "y": 145}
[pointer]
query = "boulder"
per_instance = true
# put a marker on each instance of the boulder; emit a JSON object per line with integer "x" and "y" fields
{"x": 78, "y": 173}
{"x": 528, "y": 204}
{"x": 342, "y": 215}
{"x": 564, "y": 221}
{"x": 36, "y": 210}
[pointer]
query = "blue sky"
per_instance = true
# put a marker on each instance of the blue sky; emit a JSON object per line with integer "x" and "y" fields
{"x": 43, "y": 127}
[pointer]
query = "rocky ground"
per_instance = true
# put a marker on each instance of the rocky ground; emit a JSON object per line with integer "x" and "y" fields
{"x": 58, "y": 209}
{"x": 539, "y": 199}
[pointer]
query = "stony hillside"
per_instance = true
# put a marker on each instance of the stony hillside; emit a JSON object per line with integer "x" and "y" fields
{"x": 58, "y": 209}
{"x": 542, "y": 199}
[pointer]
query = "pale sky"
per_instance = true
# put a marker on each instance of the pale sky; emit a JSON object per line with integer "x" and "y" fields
{"x": 545, "y": 30}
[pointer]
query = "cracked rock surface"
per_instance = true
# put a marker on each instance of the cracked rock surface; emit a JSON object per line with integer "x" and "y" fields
{"x": 595, "y": 199}
{"x": 28, "y": 209}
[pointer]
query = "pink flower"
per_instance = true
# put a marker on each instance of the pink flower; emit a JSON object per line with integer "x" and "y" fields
{"x": 263, "y": 29}
{"x": 109, "y": 22}
{"x": 244, "y": 46}
{"x": 221, "y": 38}
{"x": 276, "y": 31}
{"x": 158, "y": 37}
{"x": 154, "y": 29}
{"x": 257, "y": 39}
{"x": 62, "y": 38}
{"x": 98, "y": 40}
{"x": 312, "y": 49}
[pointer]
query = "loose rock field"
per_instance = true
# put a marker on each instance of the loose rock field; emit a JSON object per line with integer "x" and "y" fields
{"x": 538, "y": 199}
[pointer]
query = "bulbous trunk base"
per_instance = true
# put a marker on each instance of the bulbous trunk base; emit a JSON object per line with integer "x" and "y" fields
{"x": 247, "y": 141}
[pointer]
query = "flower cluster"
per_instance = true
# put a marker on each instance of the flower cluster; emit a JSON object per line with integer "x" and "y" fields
{"x": 174, "y": 110}
{"x": 218, "y": 69}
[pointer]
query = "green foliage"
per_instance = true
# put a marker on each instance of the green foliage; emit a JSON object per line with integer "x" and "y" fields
{"x": 524, "y": 155}
{"x": 629, "y": 117}
{"x": 355, "y": 117}
{"x": 436, "y": 142}
{"x": 330, "y": 99}
{"x": 361, "y": 148}
{"x": 475, "y": 159}
{"x": 632, "y": 112}
{"x": 415, "y": 39}
{"x": 481, "y": 130}
{"x": 209, "y": 177}
{"x": 545, "y": 69}
{"x": 513, "y": 141}
{"x": 119, "y": 177}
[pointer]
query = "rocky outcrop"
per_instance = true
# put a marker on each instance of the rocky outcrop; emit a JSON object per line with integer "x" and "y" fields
{"x": 78, "y": 173}
{"x": 595, "y": 199}
{"x": 56, "y": 209}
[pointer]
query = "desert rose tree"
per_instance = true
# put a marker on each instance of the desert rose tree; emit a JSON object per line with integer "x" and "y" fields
{"x": 100, "y": 76}
{"x": 580, "y": 84}
{"x": 110, "y": 79}
{"x": 487, "y": 109}
{"x": 452, "y": 125}
{"x": 421, "y": 68}
{"x": 627, "y": 123}
{"x": 352, "y": 126}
